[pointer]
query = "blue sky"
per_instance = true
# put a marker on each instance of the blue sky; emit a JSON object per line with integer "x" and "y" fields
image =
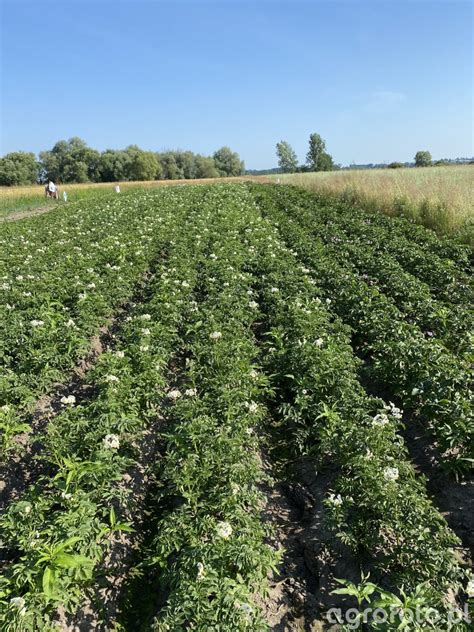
{"x": 378, "y": 80}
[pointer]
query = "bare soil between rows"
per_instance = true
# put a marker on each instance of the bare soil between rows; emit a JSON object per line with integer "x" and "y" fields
{"x": 16, "y": 215}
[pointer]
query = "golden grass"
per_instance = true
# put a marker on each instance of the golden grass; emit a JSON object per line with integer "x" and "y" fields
{"x": 441, "y": 198}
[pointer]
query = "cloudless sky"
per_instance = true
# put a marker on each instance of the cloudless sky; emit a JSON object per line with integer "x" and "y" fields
{"x": 377, "y": 79}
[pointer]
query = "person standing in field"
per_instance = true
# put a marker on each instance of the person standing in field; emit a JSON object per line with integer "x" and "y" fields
{"x": 51, "y": 190}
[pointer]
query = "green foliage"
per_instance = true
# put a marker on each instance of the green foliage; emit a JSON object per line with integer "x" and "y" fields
{"x": 423, "y": 159}
{"x": 143, "y": 165}
{"x": 317, "y": 159}
{"x": 228, "y": 162}
{"x": 18, "y": 168}
{"x": 395, "y": 165}
{"x": 287, "y": 158}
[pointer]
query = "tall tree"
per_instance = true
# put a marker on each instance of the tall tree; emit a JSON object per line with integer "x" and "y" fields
{"x": 287, "y": 158}
{"x": 228, "y": 162}
{"x": 423, "y": 159}
{"x": 18, "y": 167}
{"x": 143, "y": 165}
{"x": 317, "y": 158}
{"x": 205, "y": 167}
{"x": 70, "y": 161}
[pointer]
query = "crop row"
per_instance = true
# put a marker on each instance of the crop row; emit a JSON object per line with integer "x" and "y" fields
{"x": 63, "y": 276}
{"x": 55, "y": 537}
{"x": 416, "y": 371}
{"x": 452, "y": 323}
{"x": 375, "y": 504}
{"x": 445, "y": 266}
{"x": 209, "y": 543}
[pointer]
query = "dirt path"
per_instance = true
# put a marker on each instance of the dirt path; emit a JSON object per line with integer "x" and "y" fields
{"x": 300, "y": 590}
{"x": 15, "y": 215}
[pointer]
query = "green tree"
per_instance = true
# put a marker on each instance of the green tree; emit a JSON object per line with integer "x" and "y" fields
{"x": 18, "y": 167}
{"x": 143, "y": 165}
{"x": 287, "y": 158}
{"x": 113, "y": 165}
{"x": 317, "y": 158}
{"x": 205, "y": 167}
{"x": 228, "y": 162}
{"x": 326, "y": 162}
{"x": 70, "y": 161}
{"x": 169, "y": 166}
{"x": 423, "y": 159}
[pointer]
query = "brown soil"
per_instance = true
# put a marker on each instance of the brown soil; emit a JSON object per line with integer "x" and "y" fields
{"x": 11, "y": 217}
{"x": 300, "y": 591}
{"x": 454, "y": 499}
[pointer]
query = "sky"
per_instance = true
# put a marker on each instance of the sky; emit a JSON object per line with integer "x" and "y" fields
{"x": 378, "y": 80}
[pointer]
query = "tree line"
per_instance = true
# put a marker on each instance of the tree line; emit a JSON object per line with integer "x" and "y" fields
{"x": 74, "y": 161}
{"x": 317, "y": 158}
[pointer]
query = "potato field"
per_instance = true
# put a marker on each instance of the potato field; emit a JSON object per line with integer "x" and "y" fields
{"x": 220, "y": 404}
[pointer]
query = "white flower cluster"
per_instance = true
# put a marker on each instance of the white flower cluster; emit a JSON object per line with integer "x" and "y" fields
{"x": 19, "y": 604}
{"x": 470, "y": 588}
{"x": 201, "y": 572}
{"x": 393, "y": 410}
{"x": 111, "y": 442}
{"x": 70, "y": 400}
{"x": 335, "y": 499}
{"x": 252, "y": 407}
{"x": 253, "y": 304}
{"x": 380, "y": 420}
{"x": 215, "y": 335}
{"x": 190, "y": 392}
{"x": 224, "y": 530}
{"x": 111, "y": 378}
{"x": 37, "y": 323}
{"x": 174, "y": 395}
{"x": 391, "y": 473}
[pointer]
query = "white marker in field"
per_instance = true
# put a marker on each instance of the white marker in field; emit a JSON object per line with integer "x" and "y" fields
{"x": 117, "y": 188}
{"x": 65, "y": 196}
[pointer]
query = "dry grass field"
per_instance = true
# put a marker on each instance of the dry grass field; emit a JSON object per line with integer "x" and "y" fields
{"x": 441, "y": 198}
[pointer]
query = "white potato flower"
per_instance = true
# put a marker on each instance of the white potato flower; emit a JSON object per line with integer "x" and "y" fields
{"x": 174, "y": 394}
{"x": 252, "y": 407}
{"x": 391, "y": 473}
{"x": 470, "y": 588}
{"x": 319, "y": 342}
{"x": 380, "y": 420}
{"x": 190, "y": 392}
{"x": 335, "y": 499}
{"x": 37, "y": 323}
{"x": 111, "y": 442}
{"x": 111, "y": 378}
{"x": 201, "y": 572}
{"x": 19, "y": 604}
{"x": 69, "y": 400}
{"x": 224, "y": 530}
{"x": 215, "y": 335}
